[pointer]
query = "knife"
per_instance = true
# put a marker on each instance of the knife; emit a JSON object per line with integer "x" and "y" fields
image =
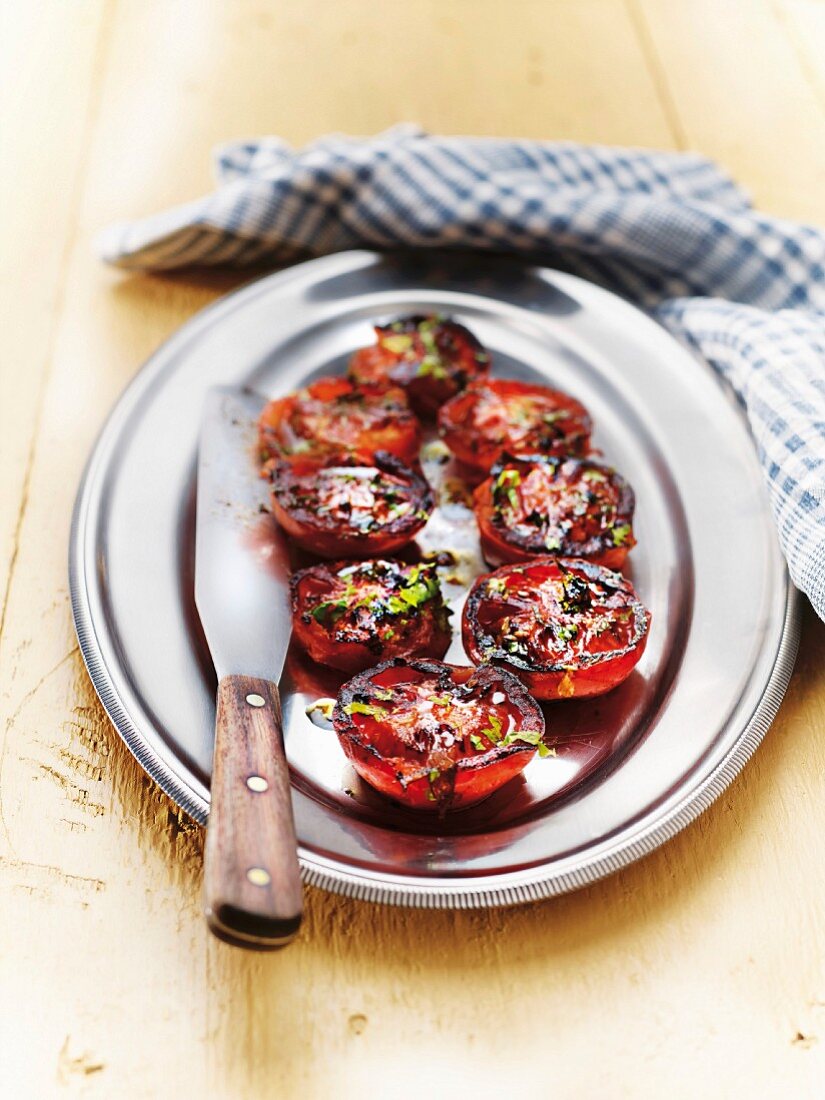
{"x": 252, "y": 882}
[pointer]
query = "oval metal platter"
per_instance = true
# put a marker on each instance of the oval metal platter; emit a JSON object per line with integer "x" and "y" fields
{"x": 631, "y": 768}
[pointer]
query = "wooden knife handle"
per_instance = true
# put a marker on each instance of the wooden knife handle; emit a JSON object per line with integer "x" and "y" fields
{"x": 252, "y": 882}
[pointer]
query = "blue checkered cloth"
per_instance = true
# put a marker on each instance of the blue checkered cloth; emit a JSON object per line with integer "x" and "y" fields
{"x": 669, "y": 231}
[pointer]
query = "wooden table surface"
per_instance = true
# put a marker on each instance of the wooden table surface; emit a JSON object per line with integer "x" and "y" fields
{"x": 698, "y": 971}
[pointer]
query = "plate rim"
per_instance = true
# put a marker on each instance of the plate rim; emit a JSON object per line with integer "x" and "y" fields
{"x": 482, "y": 891}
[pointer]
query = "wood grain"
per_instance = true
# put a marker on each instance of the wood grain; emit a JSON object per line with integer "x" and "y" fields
{"x": 252, "y": 883}
{"x": 699, "y": 971}
{"x": 46, "y": 146}
{"x": 741, "y": 95}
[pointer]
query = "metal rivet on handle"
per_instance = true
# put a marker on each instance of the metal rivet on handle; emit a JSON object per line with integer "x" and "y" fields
{"x": 256, "y": 700}
{"x": 257, "y": 783}
{"x": 258, "y": 876}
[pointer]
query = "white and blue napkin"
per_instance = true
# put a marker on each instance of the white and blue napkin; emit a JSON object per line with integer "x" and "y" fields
{"x": 670, "y": 231}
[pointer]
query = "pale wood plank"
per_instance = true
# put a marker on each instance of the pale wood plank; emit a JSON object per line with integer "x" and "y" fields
{"x": 301, "y": 70}
{"x": 45, "y": 105}
{"x": 804, "y": 22}
{"x": 743, "y": 97}
{"x": 691, "y": 973}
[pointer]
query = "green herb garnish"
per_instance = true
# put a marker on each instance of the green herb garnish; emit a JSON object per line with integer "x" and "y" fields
{"x": 529, "y": 737}
{"x": 493, "y": 731}
{"x": 417, "y": 588}
{"x": 565, "y": 632}
{"x": 430, "y": 367}
{"x": 365, "y": 708}
{"x": 329, "y": 612}
{"x": 505, "y": 487}
{"x": 397, "y": 343}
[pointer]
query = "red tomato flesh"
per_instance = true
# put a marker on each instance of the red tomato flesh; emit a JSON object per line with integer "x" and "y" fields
{"x": 432, "y": 357}
{"x": 434, "y": 736}
{"x": 532, "y": 506}
{"x": 350, "y": 506}
{"x": 333, "y": 415}
{"x": 496, "y": 416}
{"x": 349, "y": 615}
{"x": 564, "y": 626}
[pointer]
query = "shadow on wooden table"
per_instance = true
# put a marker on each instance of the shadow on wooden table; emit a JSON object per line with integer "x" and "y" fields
{"x": 146, "y": 291}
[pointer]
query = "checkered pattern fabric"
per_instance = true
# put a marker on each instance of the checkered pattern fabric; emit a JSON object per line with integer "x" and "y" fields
{"x": 669, "y": 231}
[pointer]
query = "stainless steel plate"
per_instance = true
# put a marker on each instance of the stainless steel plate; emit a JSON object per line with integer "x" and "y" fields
{"x": 632, "y": 768}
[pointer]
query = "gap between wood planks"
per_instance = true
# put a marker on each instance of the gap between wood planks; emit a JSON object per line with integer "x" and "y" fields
{"x": 794, "y": 34}
{"x": 658, "y": 74}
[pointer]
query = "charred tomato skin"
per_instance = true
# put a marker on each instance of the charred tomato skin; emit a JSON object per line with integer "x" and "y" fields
{"x": 333, "y": 415}
{"x": 298, "y": 485}
{"x": 497, "y": 416}
{"x": 348, "y": 615}
{"x": 432, "y": 357}
{"x": 426, "y": 778}
{"x": 568, "y": 673}
{"x": 586, "y": 505}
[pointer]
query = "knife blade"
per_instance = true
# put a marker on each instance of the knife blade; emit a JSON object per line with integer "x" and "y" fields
{"x": 252, "y": 880}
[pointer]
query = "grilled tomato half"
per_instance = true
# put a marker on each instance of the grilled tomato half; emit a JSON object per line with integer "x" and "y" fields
{"x": 432, "y": 357}
{"x": 350, "y": 505}
{"x": 434, "y": 736}
{"x": 349, "y": 615}
{"x": 564, "y": 626}
{"x": 333, "y": 415}
{"x": 497, "y": 416}
{"x": 531, "y": 506}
